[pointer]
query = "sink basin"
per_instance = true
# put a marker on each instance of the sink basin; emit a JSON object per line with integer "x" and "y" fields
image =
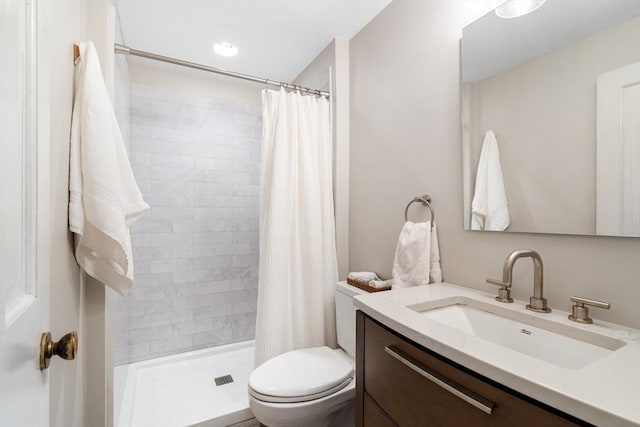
{"x": 543, "y": 339}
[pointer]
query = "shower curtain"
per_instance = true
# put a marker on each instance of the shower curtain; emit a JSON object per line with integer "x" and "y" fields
{"x": 298, "y": 268}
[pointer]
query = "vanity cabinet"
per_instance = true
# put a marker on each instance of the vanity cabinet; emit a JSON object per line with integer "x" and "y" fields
{"x": 400, "y": 383}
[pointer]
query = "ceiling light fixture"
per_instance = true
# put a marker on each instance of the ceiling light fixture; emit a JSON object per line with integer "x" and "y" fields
{"x": 516, "y": 8}
{"x": 225, "y": 49}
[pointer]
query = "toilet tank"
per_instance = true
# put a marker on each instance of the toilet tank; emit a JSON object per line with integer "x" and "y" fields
{"x": 346, "y": 316}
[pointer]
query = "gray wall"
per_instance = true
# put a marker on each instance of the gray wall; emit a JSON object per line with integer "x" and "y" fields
{"x": 329, "y": 71}
{"x": 406, "y": 140}
{"x": 197, "y": 163}
{"x": 549, "y": 159}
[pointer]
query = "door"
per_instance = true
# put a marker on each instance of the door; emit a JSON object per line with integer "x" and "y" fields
{"x": 618, "y": 152}
{"x": 24, "y": 163}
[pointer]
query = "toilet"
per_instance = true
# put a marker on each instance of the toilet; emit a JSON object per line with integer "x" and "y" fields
{"x": 311, "y": 387}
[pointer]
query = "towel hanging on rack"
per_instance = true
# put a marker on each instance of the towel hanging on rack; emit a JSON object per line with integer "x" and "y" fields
{"x": 490, "y": 208}
{"x": 104, "y": 199}
{"x": 417, "y": 256}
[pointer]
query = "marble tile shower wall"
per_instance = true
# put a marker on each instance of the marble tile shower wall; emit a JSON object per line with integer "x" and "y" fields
{"x": 197, "y": 163}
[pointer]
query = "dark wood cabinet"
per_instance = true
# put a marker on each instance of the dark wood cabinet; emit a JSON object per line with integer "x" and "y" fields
{"x": 401, "y": 383}
{"x": 374, "y": 416}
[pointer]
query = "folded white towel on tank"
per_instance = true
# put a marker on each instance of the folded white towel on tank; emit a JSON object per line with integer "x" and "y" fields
{"x": 363, "y": 275}
{"x": 383, "y": 284}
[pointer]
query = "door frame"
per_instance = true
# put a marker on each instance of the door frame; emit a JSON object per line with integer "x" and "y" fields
{"x": 610, "y": 152}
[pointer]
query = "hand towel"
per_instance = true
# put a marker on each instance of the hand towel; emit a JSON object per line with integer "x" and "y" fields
{"x": 490, "y": 210}
{"x": 412, "y": 261}
{"x": 104, "y": 199}
{"x": 435, "y": 272}
{"x": 384, "y": 284}
{"x": 364, "y": 275}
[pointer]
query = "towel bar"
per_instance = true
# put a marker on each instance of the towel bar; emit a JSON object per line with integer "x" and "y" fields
{"x": 426, "y": 201}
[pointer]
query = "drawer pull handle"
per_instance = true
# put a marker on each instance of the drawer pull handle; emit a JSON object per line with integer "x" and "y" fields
{"x": 452, "y": 387}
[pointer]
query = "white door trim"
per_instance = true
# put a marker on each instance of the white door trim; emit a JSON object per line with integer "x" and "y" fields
{"x": 615, "y": 148}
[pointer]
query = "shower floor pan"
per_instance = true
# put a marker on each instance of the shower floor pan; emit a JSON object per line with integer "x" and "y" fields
{"x": 180, "y": 390}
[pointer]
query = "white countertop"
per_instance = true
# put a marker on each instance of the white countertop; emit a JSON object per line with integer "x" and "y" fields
{"x": 605, "y": 392}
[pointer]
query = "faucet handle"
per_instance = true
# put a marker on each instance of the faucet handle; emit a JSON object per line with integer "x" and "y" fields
{"x": 504, "y": 293}
{"x": 580, "y": 313}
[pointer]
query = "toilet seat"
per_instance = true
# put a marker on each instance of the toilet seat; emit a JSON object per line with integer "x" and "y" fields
{"x": 300, "y": 376}
{"x": 299, "y": 399}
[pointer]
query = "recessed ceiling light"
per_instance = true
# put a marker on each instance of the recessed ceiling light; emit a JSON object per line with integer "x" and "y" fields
{"x": 225, "y": 49}
{"x": 516, "y": 8}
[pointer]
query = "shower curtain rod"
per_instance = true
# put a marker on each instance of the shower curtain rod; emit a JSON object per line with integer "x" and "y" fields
{"x": 124, "y": 50}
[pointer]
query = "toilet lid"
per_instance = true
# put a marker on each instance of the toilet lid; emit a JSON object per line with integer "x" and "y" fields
{"x": 301, "y": 374}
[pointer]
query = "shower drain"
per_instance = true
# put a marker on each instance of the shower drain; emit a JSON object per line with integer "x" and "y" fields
{"x": 225, "y": 379}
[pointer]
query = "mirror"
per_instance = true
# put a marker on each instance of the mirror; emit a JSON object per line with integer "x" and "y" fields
{"x": 560, "y": 89}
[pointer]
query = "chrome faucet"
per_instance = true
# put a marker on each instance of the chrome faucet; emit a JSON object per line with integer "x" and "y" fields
{"x": 536, "y": 302}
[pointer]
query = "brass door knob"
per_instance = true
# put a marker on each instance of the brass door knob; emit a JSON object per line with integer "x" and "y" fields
{"x": 65, "y": 348}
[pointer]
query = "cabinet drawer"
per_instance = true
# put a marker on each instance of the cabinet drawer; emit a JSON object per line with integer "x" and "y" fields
{"x": 418, "y": 389}
{"x": 374, "y": 416}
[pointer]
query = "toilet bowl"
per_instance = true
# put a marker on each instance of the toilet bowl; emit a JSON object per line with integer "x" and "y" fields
{"x": 311, "y": 387}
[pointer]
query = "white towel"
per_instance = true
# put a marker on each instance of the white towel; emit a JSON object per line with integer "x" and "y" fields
{"x": 490, "y": 210}
{"x": 417, "y": 254}
{"x": 363, "y": 275}
{"x": 384, "y": 284}
{"x": 104, "y": 198}
{"x": 435, "y": 272}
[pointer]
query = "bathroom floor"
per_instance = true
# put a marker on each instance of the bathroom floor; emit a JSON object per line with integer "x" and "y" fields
{"x": 249, "y": 423}
{"x": 180, "y": 390}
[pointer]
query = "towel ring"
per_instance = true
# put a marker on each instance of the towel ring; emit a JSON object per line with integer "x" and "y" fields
{"x": 426, "y": 201}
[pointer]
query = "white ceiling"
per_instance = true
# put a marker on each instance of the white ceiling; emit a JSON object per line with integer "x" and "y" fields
{"x": 277, "y": 39}
{"x": 491, "y": 44}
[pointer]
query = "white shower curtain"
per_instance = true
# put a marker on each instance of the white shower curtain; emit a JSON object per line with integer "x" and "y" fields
{"x": 298, "y": 267}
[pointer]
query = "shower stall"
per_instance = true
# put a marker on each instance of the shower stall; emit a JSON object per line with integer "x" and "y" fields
{"x": 183, "y": 345}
